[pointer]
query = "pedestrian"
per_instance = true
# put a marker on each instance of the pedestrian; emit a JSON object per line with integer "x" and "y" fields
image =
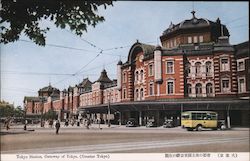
{"x": 88, "y": 123}
{"x": 7, "y": 123}
{"x": 57, "y": 126}
{"x": 50, "y": 123}
{"x": 66, "y": 123}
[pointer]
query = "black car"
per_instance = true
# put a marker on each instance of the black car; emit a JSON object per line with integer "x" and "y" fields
{"x": 151, "y": 123}
{"x": 131, "y": 122}
{"x": 168, "y": 123}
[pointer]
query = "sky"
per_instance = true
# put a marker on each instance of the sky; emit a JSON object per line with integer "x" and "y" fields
{"x": 27, "y": 67}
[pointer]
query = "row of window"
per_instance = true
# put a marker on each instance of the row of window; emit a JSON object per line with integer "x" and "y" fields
{"x": 198, "y": 68}
{"x": 191, "y": 39}
{"x": 225, "y": 87}
{"x": 139, "y": 75}
{"x": 198, "y": 89}
{"x": 195, "y": 39}
{"x": 224, "y": 66}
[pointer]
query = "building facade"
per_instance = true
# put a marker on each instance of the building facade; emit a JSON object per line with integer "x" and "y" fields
{"x": 196, "y": 68}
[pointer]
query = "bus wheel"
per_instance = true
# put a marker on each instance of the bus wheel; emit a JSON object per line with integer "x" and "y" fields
{"x": 222, "y": 127}
{"x": 198, "y": 128}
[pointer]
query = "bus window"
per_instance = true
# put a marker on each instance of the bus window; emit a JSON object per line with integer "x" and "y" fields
{"x": 199, "y": 116}
{"x": 213, "y": 116}
{"x": 185, "y": 116}
{"x": 209, "y": 117}
{"x": 194, "y": 116}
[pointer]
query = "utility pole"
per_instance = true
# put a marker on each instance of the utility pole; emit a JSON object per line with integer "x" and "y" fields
{"x": 25, "y": 110}
{"x": 228, "y": 117}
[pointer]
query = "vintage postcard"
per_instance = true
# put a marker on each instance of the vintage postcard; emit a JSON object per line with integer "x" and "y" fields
{"x": 124, "y": 80}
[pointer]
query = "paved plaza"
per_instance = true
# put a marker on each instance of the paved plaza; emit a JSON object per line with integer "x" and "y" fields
{"x": 121, "y": 139}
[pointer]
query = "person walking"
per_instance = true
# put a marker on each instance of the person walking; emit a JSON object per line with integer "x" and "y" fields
{"x": 57, "y": 126}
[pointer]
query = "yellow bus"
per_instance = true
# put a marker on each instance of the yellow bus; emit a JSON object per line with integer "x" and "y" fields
{"x": 199, "y": 119}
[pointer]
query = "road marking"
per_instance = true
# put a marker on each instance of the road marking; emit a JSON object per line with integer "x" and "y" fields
{"x": 119, "y": 147}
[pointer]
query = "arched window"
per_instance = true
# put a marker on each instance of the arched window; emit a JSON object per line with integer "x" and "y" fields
{"x": 141, "y": 93}
{"x": 136, "y": 76}
{"x": 189, "y": 89}
{"x": 150, "y": 70}
{"x": 198, "y": 69}
{"x": 136, "y": 94}
{"x": 209, "y": 89}
{"x": 141, "y": 75}
{"x": 188, "y": 68}
{"x": 198, "y": 90}
{"x": 208, "y": 68}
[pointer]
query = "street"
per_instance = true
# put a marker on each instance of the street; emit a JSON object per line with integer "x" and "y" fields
{"x": 120, "y": 139}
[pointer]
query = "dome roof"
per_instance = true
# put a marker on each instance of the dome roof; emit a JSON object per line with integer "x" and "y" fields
{"x": 195, "y": 25}
{"x": 187, "y": 24}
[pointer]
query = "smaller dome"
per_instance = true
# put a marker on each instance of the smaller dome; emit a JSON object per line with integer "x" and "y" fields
{"x": 158, "y": 47}
{"x": 104, "y": 77}
{"x": 119, "y": 62}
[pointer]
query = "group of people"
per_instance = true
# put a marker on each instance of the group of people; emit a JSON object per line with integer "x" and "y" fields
{"x": 87, "y": 123}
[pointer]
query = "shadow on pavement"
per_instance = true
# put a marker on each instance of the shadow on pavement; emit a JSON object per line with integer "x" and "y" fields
{"x": 15, "y": 132}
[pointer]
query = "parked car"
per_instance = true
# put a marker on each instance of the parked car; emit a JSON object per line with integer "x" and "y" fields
{"x": 131, "y": 122}
{"x": 151, "y": 123}
{"x": 168, "y": 123}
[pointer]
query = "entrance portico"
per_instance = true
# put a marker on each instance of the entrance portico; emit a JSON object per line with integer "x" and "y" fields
{"x": 142, "y": 111}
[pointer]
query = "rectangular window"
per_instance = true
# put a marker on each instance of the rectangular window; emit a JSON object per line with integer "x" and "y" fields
{"x": 189, "y": 39}
{"x": 225, "y": 85}
{"x": 169, "y": 67}
{"x": 124, "y": 93}
{"x": 224, "y": 64}
{"x": 150, "y": 70}
{"x": 124, "y": 77}
{"x": 195, "y": 39}
{"x": 151, "y": 89}
{"x": 200, "y": 38}
{"x": 170, "y": 87}
{"x": 242, "y": 86}
{"x": 174, "y": 42}
{"x": 241, "y": 65}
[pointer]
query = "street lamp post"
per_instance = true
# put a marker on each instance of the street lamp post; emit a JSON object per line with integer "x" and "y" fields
{"x": 109, "y": 109}
{"x": 42, "y": 99}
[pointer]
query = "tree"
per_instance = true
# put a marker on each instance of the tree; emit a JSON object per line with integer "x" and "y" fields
{"x": 6, "y": 110}
{"x": 18, "y": 112}
{"x": 51, "y": 114}
{"x": 19, "y": 16}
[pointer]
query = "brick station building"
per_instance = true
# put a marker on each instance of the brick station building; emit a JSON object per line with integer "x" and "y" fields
{"x": 196, "y": 68}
